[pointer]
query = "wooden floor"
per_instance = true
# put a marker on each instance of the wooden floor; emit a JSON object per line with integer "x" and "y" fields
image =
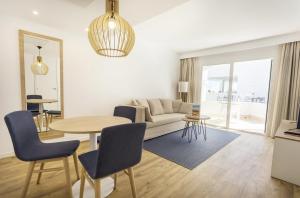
{"x": 240, "y": 170}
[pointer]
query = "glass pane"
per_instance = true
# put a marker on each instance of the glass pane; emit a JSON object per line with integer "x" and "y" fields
{"x": 214, "y": 93}
{"x": 250, "y": 90}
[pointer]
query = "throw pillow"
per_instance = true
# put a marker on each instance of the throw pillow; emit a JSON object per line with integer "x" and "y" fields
{"x": 167, "y": 105}
{"x": 144, "y": 103}
{"x": 176, "y": 105}
{"x": 155, "y": 107}
{"x": 134, "y": 102}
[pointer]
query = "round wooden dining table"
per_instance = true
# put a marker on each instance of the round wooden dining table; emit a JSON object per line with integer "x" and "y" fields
{"x": 91, "y": 125}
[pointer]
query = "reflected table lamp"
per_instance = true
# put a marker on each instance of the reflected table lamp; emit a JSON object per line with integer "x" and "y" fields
{"x": 183, "y": 88}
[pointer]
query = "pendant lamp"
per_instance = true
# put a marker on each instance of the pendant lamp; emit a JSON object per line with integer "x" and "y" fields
{"x": 111, "y": 35}
{"x": 39, "y": 67}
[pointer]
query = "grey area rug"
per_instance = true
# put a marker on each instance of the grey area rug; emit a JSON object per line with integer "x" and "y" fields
{"x": 189, "y": 155}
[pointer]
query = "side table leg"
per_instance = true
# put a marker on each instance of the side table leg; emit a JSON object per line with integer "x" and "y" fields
{"x": 204, "y": 130}
{"x": 198, "y": 128}
{"x": 185, "y": 129}
{"x": 189, "y": 132}
{"x": 195, "y": 130}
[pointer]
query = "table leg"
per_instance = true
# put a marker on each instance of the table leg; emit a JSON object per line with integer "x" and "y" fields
{"x": 189, "y": 132}
{"x": 203, "y": 126}
{"x": 93, "y": 141}
{"x": 41, "y": 111}
{"x": 195, "y": 130}
{"x": 185, "y": 129}
{"x": 198, "y": 128}
{"x": 204, "y": 129}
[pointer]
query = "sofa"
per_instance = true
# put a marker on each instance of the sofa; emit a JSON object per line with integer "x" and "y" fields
{"x": 162, "y": 116}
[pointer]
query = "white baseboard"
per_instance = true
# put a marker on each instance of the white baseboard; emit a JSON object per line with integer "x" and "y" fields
{"x": 5, "y": 155}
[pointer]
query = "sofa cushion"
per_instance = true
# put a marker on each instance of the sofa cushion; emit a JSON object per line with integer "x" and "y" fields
{"x": 155, "y": 107}
{"x": 144, "y": 103}
{"x": 186, "y": 108}
{"x": 134, "y": 103}
{"x": 162, "y": 119}
{"x": 176, "y": 105}
{"x": 167, "y": 105}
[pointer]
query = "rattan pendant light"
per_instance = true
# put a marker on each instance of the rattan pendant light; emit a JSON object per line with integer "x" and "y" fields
{"x": 39, "y": 67}
{"x": 111, "y": 35}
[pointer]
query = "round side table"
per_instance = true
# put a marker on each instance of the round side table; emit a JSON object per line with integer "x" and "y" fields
{"x": 198, "y": 125}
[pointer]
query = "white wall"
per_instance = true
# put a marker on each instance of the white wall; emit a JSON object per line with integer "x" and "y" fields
{"x": 93, "y": 85}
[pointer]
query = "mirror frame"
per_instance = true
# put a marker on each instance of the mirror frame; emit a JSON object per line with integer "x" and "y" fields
{"x": 22, "y": 33}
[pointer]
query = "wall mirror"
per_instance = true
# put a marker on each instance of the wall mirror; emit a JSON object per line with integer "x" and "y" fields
{"x": 41, "y": 64}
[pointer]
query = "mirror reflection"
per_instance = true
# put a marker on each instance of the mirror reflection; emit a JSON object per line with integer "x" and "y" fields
{"x": 42, "y": 83}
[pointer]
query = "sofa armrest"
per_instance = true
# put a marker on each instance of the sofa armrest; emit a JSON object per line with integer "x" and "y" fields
{"x": 140, "y": 113}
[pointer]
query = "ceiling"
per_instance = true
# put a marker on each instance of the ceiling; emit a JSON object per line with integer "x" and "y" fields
{"x": 201, "y": 24}
{"x": 76, "y": 15}
{"x": 183, "y": 25}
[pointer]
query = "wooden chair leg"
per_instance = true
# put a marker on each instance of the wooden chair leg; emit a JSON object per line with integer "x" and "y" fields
{"x": 115, "y": 181}
{"x": 68, "y": 178}
{"x": 131, "y": 178}
{"x": 76, "y": 165}
{"x": 28, "y": 178}
{"x": 82, "y": 183}
{"x": 47, "y": 121}
{"x": 40, "y": 173}
{"x": 38, "y": 123}
{"x": 97, "y": 188}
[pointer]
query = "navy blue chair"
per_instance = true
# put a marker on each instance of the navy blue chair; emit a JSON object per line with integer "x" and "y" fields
{"x": 34, "y": 108}
{"x": 50, "y": 114}
{"x": 121, "y": 149}
{"x": 29, "y": 148}
{"x": 123, "y": 111}
{"x": 126, "y": 112}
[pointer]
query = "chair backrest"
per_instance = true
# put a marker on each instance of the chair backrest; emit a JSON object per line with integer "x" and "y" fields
{"x": 33, "y": 107}
{"x": 126, "y": 112}
{"x": 23, "y": 132}
{"x": 121, "y": 148}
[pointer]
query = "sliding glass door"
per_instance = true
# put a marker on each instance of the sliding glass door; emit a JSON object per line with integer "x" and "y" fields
{"x": 214, "y": 93}
{"x": 236, "y": 95}
{"x": 250, "y": 91}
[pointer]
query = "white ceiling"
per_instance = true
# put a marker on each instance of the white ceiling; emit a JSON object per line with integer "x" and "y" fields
{"x": 200, "y": 24}
{"x": 183, "y": 25}
{"x": 76, "y": 15}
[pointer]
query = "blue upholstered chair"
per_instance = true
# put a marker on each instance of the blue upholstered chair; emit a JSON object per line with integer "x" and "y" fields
{"x": 126, "y": 112}
{"x": 123, "y": 111}
{"x": 34, "y": 108}
{"x": 50, "y": 114}
{"x": 29, "y": 148}
{"x": 121, "y": 149}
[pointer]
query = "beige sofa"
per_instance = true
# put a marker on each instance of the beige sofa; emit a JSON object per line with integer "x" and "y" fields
{"x": 162, "y": 116}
